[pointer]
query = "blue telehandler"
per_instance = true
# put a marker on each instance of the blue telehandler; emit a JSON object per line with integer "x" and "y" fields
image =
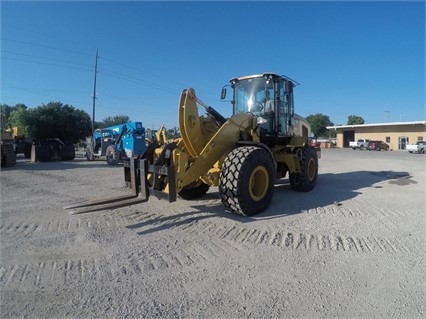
{"x": 117, "y": 142}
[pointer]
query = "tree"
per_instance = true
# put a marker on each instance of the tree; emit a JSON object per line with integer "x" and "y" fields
{"x": 53, "y": 120}
{"x": 319, "y": 123}
{"x": 113, "y": 120}
{"x": 7, "y": 110}
{"x": 355, "y": 119}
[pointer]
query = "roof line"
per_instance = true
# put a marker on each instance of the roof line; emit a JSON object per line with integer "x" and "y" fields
{"x": 377, "y": 124}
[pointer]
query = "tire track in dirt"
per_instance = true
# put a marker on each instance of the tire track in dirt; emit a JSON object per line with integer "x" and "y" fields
{"x": 108, "y": 267}
{"x": 352, "y": 211}
{"x": 240, "y": 235}
{"x": 21, "y": 229}
{"x": 234, "y": 235}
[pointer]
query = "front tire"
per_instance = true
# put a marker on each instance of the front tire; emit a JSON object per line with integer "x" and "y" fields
{"x": 306, "y": 179}
{"x": 246, "y": 180}
{"x": 112, "y": 155}
{"x": 89, "y": 153}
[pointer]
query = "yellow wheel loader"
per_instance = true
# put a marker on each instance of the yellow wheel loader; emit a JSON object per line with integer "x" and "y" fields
{"x": 242, "y": 155}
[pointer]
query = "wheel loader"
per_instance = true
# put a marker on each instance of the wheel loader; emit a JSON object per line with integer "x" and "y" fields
{"x": 243, "y": 155}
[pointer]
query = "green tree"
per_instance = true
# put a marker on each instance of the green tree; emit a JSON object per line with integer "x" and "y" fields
{"x": 53, "y": 120}
{"x": 113, "y": 120}
{"x": 319, "y": 123}
{"x": 355, "y": 119}
{"x": 7, "y": 110}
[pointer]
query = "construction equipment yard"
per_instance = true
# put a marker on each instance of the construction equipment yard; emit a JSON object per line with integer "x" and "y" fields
{"x": 353, "y": 247}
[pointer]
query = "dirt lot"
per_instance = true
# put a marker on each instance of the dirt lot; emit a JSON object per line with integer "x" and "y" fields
{"x": 353, "y": 247}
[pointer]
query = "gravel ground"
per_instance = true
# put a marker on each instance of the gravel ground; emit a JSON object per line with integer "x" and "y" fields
{"x": 354, "y": 247}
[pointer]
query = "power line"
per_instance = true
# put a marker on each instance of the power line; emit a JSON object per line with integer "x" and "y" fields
{"x": 45, "y": 63}
{"x": 138, "y": 81}
{"x": 103, "y": 71}
{"x": 35, "y": 89}
{"x": 142, "y": 71}
{"x": 76, "y": 65}
{"x": 45, "y": 46}
{"x": 44, "y": 58}
{"x": 158, "y": 86}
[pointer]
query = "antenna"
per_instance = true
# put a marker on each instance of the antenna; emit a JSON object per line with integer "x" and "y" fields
{"x": 94, "y": 91}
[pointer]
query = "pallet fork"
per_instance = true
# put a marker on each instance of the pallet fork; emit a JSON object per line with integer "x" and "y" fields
{"x": 135, "y": 176}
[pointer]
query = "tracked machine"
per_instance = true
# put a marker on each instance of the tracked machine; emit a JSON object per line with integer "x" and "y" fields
{"x": 243, "y": 155}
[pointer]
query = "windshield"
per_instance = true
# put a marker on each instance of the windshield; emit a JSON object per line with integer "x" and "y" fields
{"x": 269, "y": 98}
{"x": 250, "y": 95}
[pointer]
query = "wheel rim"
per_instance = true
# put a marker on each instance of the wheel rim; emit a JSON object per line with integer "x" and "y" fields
{"x": 258, "y": 183}
{"x": 311, "y": 169}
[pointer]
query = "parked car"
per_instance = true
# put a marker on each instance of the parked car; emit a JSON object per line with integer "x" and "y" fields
{"x": 361, "y": 143}
{"x": 419, "y": 147}
{"x": 377, "y": 146}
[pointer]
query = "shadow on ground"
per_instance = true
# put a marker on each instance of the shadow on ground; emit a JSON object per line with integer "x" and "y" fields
{"x": 331, "y": 189}
{"x": 79, "y": 162}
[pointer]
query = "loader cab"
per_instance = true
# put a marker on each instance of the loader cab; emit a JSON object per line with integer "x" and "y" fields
{"x": 269, "y": 97}
{"x": 102, "y": 138}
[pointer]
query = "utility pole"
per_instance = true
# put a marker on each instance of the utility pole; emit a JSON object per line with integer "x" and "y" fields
{"x": 94, "y": 91}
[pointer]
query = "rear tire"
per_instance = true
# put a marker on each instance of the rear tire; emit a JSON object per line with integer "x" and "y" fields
{"x": 246, "y": 180}
{"x": 306, "y": 180}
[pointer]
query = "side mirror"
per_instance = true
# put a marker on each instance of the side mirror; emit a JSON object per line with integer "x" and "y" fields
{"x": 223, "y": 93}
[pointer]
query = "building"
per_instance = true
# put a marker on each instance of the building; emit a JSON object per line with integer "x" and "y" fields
{"x": 396, "y": 134}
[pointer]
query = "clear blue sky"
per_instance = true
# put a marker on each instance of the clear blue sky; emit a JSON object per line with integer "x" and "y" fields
{"x": 351, "y": 58}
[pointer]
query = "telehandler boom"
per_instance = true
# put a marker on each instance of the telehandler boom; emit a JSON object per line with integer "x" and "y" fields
{"x": 242, "y": 155}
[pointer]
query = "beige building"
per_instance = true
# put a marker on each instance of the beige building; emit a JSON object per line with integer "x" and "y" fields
{"x": 396, "y": 134}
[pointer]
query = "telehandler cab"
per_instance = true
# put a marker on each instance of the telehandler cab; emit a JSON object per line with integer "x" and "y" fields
{"x": 243, "y": 155}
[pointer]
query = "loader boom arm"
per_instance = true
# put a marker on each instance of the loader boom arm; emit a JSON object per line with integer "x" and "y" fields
{"x": 214, "y": 149}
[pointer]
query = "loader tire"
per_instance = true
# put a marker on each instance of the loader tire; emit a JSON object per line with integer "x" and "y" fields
{"x": 89, "y": 153}
{"x": 194, "y": 191}
{"x": 8, "y": 156}
{"x": 306, "y": 180}
{"x": 246, "y": 180}
{"x": 112, "y": 155}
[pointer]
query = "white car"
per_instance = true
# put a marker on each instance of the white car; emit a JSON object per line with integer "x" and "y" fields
{"x": 419, "y": 147}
